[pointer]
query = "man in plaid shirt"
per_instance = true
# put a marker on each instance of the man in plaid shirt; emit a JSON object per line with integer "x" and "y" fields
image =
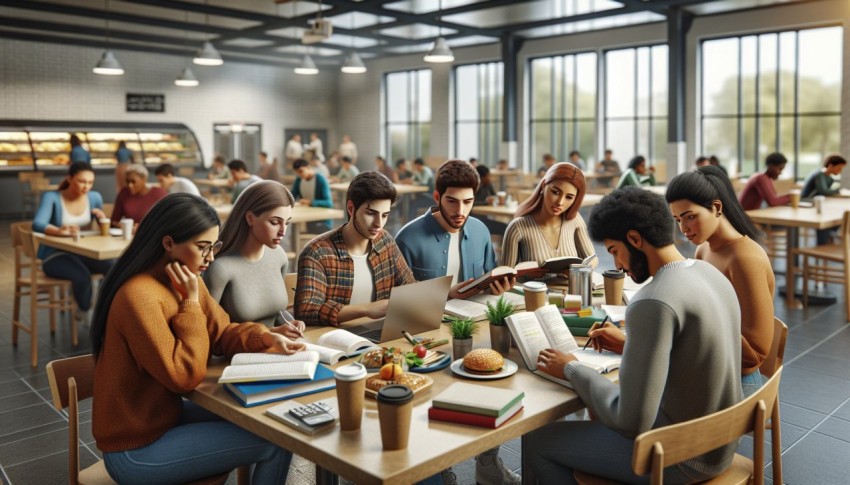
{"x": 348, "y": 273}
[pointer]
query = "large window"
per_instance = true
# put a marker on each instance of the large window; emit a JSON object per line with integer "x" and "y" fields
{"x": 408, "y": 117}
{"x": 478, "y": 111}
{"x": 563, "y": 107}
{"x": 772, "y": 92}
{"x": 636, "y": 103}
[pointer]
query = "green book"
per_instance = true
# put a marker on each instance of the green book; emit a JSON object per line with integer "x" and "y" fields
{"x": 477, "y": 399}
{"x": 579, "y": 326}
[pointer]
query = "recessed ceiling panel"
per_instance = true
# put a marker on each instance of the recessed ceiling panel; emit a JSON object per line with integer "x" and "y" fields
{"x": 288, "y": 32}
{"x": 416, "y": 31}
{"x": 595, "y": 24}
{"x": 425, "y": 6}
{"x": 471, "y": 40}
{"x": 530, "y": 11}
{"x": 358, "y": 20}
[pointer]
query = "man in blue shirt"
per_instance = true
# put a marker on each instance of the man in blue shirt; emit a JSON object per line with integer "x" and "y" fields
{"x": 447, "y": 241}
{"x": 312, "y": 189}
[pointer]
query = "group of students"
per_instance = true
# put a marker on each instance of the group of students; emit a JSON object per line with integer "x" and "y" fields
{"x": 165, "y": 308}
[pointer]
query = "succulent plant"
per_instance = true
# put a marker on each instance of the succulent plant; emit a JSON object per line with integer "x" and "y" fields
{"x": 498, "y": 312}
{"x": 462, "y": 328}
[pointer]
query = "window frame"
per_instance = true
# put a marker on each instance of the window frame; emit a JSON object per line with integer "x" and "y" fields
{"x": 482, "y": 153}
{"x": 412, "y": 122}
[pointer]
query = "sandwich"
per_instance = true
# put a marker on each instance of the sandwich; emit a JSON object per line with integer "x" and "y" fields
{"x": 483, "y": 362}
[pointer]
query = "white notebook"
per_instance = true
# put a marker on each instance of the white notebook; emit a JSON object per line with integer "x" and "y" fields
{"x": 254, "y": 367}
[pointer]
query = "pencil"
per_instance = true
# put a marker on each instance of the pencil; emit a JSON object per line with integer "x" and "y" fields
{"x": 589, "y": 339}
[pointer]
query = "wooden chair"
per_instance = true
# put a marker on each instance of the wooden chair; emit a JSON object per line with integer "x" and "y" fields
{"x": 31, "y": 281}
{"x": 28, "y": 195}
{"x": 72, "y": 379}
{"x": 662, "y": 447}
{"x": 837, "y": 253}
{"x": 776, "y": 355}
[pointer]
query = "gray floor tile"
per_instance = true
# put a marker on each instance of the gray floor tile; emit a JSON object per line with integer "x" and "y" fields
{"x": 836, "y": 428}
{"x": 816, "y": 459}
{"x": 811, "y": 390}
{"x": 27, "y": 433}
{"x": 800, "y": 342}
{"x": 51, "y": 470}
{"x": 802, "y": 417}
{"x": 843, "y": 412}
{"x": 35, "y": 447}
{"x": 18, "y": 401}
{"x": 824, "y": 364}
{"x": 27, "y": 418}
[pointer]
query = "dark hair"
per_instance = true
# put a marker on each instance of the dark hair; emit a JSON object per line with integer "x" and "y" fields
{"x": 378, "y": 157}
{"x": 471, "y": 159}
{"x": 164, "y": 169}
{"x": 548, "y": 156}
{"x": 74, "y": 169}
{"x": 834, "y": 159}
{"x": 420, "y": 161}
{"x": 237, "y": 165}
{"x": 345, "y": 159}
{"x": 218, "y": 159}
{"x": 714, "y": 160}
{"x": 635, "y": 161}
{"x": 297, "y": 164}
{"x": 456, "y": 173}
{"x": 369, "y": 185}
{"x": 264, "y": 154}
{"x": 75, "y": 141}
{"x": 574, "y": 152}
{"x": 705, "y": 185}
{"x": 565, "y": 171}
{"x": 775, "y": 159}
{"x": 608, "y": 150}
{"x": 258, "y": 198}
{"x": 181, "y": 216}
{"x": 399, "y": 162}
{"x": 632, "y": 208}
{"x": 700, "y": 160}
{"x": 482, "y": 170}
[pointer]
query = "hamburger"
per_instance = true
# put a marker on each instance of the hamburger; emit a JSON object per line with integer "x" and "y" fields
{"x": 483, "y": 362}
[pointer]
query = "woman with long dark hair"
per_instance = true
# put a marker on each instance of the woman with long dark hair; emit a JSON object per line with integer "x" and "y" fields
{"x": 247, "y": 280}
{"x": 154, "y": 328}
{"x": 547, "y": 224}
{"x": 704, "y": 205}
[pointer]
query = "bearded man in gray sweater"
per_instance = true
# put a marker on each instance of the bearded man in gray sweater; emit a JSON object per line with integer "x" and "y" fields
{"x": 681, "y": 360}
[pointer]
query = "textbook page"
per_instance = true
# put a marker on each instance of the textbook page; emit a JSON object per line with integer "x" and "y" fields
{"x": 529, "y": 336}
{"x": 248, "y": 358}
{"x": 345, "y": 341}
{"x": 326, "y": 355}
{"x": 557, "y": 332}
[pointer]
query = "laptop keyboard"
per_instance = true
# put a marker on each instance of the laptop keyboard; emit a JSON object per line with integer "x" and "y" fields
{"x": 373, "y": 335}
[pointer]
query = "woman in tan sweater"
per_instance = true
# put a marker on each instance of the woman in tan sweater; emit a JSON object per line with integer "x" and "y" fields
{"x": 154, "y": 328}
{"x": 703, "y": 202}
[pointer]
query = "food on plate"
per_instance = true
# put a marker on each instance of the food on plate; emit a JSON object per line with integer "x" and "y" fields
{"x": 413, "y": 381}
{"x": 420, "y": 351}
{"x": 380, "y": 356}
{"x": 483, "y": 361}
{"x": 391, "y": 371}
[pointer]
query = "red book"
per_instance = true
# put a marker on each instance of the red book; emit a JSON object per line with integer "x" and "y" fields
{"x": 438, "y": 414}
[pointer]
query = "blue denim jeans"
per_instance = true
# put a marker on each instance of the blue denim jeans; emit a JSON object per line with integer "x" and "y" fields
{"x": 751, "y": 383}
{"x": 77, "y": 269}
{"x": 202, "y": 445}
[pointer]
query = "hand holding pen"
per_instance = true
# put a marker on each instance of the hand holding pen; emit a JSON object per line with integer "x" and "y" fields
{"x": 608, "y": 337}
{"x": 292, "y": 328}
{"x": 592, "y": 328}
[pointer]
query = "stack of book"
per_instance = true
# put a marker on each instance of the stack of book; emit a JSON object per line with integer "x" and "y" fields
{"x": 255, "y": 379}
{"x": 477, "y": 405}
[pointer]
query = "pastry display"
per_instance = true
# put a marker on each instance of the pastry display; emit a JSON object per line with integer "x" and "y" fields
{"x": 483, "y": 362}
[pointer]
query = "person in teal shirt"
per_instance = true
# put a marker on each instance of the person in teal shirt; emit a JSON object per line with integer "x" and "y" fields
{"x": 78, "y": 153}
{"x": 312, "y": 189}
{"x": 825, "y": 182}
{"x": 638, "y": 174}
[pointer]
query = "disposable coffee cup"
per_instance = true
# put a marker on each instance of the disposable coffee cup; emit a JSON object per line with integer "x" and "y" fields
{"x": 535, "y": 295}
{"x": 613, "y": 286}
{"x": 395, "y": 408}
{"x": 350, "y": 389}
{"x": 795, "y": 198}
{"x": 503, "y": 197}
{"x": 127, "y": 229}
{"x": 104, "y": 226}
{"x": 76, "y": 235}
{"x": 819, "y": 199}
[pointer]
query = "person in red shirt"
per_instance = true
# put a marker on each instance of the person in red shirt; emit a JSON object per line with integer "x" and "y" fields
{"x": 136, "y": 199}
{"x": 760, "y": 187}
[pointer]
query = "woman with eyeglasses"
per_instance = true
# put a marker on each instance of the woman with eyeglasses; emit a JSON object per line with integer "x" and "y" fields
{"x": 155, "y": 326}
{"x": 248, "y": 278}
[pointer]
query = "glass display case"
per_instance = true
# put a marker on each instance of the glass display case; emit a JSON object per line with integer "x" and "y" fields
{"x": 25, "y": 145}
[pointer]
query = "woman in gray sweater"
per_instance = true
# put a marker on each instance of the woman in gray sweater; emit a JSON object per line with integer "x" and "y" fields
{"x": 247, "y": 278}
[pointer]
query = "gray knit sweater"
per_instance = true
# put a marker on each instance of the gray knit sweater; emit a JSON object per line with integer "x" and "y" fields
{"x": 682, "y": 358}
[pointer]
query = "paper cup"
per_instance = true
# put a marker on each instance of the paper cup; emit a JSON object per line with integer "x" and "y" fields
{"x": 613, "y": 287}
{"x": 795, "y": 198}
{"x": 535, "y": 295}
{"x": 395, "y": 408}
{"x": 350, "y": 391}
{"x": 104, "y": 226}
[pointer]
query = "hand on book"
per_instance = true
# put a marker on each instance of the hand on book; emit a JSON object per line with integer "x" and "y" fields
{"x": 608, "y": 337}
{"x": 552, "y": 362}
{"x": 279, "y": 343}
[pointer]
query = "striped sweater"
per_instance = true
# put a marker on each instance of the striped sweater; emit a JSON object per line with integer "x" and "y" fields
{"x": 524, "y": 241}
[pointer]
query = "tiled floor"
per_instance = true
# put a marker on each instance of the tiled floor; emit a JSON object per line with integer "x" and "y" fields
{"x": 815, "y": 397}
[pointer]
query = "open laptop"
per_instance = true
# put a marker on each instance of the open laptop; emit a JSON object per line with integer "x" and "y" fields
{"x": 417, "y": 307}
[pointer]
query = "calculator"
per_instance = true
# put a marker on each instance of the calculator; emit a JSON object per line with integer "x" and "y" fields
{"x": 313, "y": 414}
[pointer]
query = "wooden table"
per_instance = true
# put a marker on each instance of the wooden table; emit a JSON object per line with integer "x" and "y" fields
{"x": 502, "y": 174}
{"x": 503, "y": 212}
{"x": 217, "y": 183}
{"x": 434, "y": 446}
{"x": 404, "y": 192}
{"x": 95, "y": 247}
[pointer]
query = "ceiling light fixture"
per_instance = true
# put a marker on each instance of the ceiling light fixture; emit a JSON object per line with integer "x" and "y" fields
{"x": 208, "y": 55}
{"x": 108, "y": 65}
{"x": 307, "y": 67}
{"x": 440, "y": 51}
{"x": 353, "y": 64}
{"x": 187, "y": 78}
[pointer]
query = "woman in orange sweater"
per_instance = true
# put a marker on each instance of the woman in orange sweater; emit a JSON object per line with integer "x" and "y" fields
{"x": 154, "y": 328}
{"x": 703, "y": 202}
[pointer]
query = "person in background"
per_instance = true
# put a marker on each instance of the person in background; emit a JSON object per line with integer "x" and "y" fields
{"x": 348, "y": 171}
{"x": 548, "y": 224}
{"x": 548, "y": 161}
{"x": 403, "y": 175}
{"x": 608, "y": 169}
{"x": 760, "y": 188}
{"x": 473, "y": 161}
{"x": 312, "y": 190}
{"x": 154, "y": 329}
{"x": 78, "y": 153}
{"x": 575, "y": 159}
{"x": 240, "y": 178}
{"x": 682, "y": 362}
{"x": 502, "y": 165}
{"x": 702, "y": 162}
{"x": 123, "y": 158}
{"x": 316, "y": 147}
{"x": 486, "y": 193}
{"x": 137, "y": 198}
{"x": 320, "y": 167}
{"x": 637, "y": 174}
{"x": 348, "y": 149}
{"x": 382, "y": 167}
{"x": 348, "y": 272}
{"x": 333, "y": 163}
{"x": 704, "y": 205}
{"x": 248, "y": 276}
{"x": 268, "y": 169}
{"x": 825, "y": 181}
{"x": 219, "y": 169}
{"x": 294, "y": 149}
{"x": 713, "y": 160}
{"x": 448, "y": 241}
{"x": 173, "y": 184}
{"x": 66, "y": 212}
{"x": 423, "y": 176}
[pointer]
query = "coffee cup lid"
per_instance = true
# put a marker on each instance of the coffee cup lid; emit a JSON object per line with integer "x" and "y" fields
{"x": 351, "y": 372}
{"x": 104, "y": 219}
{"x": 534, "y": 286}
{"x": 395, "y": 394}
{"x": 614, "y": 274}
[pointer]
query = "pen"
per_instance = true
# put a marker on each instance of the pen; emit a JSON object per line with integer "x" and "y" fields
{"x": 287, "y": 320}
{"x": 589, "y": 339}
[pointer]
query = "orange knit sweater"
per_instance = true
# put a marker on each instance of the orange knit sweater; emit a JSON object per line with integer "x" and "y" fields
{"x": 154, "y": 350}
{"x": 747, "y": 267}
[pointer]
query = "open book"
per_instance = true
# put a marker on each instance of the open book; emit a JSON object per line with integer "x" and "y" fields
{"x": 252, "y": 367}
{"x": 531, "y": 269}
{"x": 544, "y": 329}
{"x": 475, "y": 307}
{"x": 339, "y": 344}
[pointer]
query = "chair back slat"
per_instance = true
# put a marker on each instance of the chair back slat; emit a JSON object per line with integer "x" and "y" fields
{"x": 776, "y": 354}
{"x": 693, "y": 438}
{"x": 81, "y": 368}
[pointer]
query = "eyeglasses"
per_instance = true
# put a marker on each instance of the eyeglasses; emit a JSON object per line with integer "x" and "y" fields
{"x": 213, "y": 248}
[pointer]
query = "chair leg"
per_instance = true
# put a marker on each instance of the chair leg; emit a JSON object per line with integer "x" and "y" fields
{"x": 16, "y": 316}
{"x": 34, "y": 326}
{"x": 52, "y": 302}
{"x": 776, "y": 443}
{"x": 805, "y": 282}
{"x": 243, "y": 475}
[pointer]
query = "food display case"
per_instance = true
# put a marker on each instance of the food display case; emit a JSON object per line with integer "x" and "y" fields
{"x": 25, "y": 145}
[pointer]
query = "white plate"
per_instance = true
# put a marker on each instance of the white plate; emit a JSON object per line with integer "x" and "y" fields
{"x": 115, "y": 231}
{"x": 509, "y": 369}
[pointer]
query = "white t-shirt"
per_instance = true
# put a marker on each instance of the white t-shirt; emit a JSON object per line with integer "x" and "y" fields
{"x": 294, "y": 149}
{"x": 183, "y": 185}
{"x": 81, "y": 220}
{"x": 308, "y": 188}
{"x": 362, "y": 289}
{"x": 316, "y": 146}
{"x": 453, "y": 266}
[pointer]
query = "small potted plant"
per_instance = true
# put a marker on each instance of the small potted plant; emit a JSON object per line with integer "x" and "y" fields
{"x": 500, "y": 334}
{"x": 462, "y": 330}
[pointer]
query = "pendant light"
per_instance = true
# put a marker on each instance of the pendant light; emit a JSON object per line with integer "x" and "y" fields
{"x": 440, "y": 51}
{"x": 108, "y": 65}
{"x": 353, "y": 64}
{"x": 187, "y": 78}
{"x": 208, "y": 55}
{"x": 307, "y": 67}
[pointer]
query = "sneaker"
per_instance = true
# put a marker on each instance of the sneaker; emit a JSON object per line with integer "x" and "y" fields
{"x": 492, "y": 471}
{"x": 448, "y": 476}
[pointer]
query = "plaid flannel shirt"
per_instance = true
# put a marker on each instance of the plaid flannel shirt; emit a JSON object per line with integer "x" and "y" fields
{"x": 326, "y": 275}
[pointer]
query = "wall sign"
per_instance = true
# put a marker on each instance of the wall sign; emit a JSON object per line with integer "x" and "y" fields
{"x": 150, "y": 103}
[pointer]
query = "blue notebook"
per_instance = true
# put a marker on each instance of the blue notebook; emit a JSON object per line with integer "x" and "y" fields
{"x": 256, "y": 393}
